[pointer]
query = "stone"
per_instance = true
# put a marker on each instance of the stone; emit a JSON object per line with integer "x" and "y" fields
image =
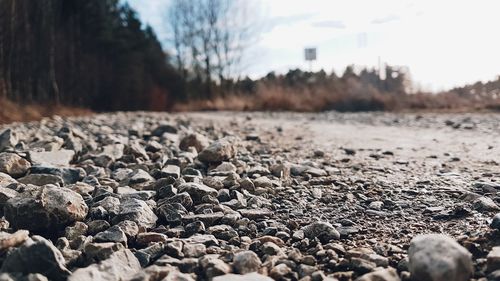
{"x": 8, "y": 139}
{"x": 120, "y": 265}
{"x": 164, "y": 128}
{"x": 8, "y": 240}
{"x": 245, "y": 262}
{"x": 495, "y": 223}
{"x": 113, "y": 234}
{"x": 485, "y": 204}
{"x": 5, "y": 180}
{"x": 198, "y": 141}
{"x": 37, "y": 256}
{"x": 280, "y": 271}
{"x": 42, "y": 179}
{"x": 137, "y": 211}
{"x": 96, "y": 252}
{"x": 50, "y": 209}
{"x": 171, "y": 212}
{"x": 221, "y": 150}
{"x": 197, "y": 191}
{"x": 171, "y": 171}
{"x": 140, "y": 176}
{"x": 436, "y": 257}
{"x": 493, "y": 259}
{"x": 321, "y": 230}
{"x": 13, "y": 164}
{"x": 246, "y": 277}
{"x": 57, "y": 158}
{"x": 78, "y": 229}
{"x": 68, "y": 175}
{"x": 194, "y": 250}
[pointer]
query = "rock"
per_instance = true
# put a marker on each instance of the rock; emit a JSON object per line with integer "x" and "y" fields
{"x": 113, "y": 234}
{"x": 140, "y": 176}
{"x": 220, "y": 150}
{"x": 68, "y": 175}
{"x": 8, "y": 240}
{"x": 137, "y": 211}
{"x": 254, "y": 214}
{"x": 5, "y": 180}
{"x": 495, "y": 223}
{"x": 78, "y": 229}
{"x": 57, "y": 158}
{"x": 164, "y": 128}
{"x": 37, "y": 256}
{"x": 194, "y": 250}
{"x": 280, "y": 271}
{"x": 436, "y": 257}
{"x": 50, "y": 209}
{"x": 247, "y": 277}
{"x": 245, "y": 262}
{"x": 42, "y": 179}
{"x": 13, "y": 164}
{"x": 121, "y": 265}
{"x": 8, "y": 138}
{"x": 195, "y": 140}
{"x": 271, "y": 249}
{"x": 386, "y": 274}
{"x": 321, "y": 230}
{"x": 171, "y": 171}
{"x": 197, "y": 191}
{"x": 171, "y": 212}
{"x": 493, "y": 259}
{"x": 485, "y": 204}
{"x": 5, "y": 195}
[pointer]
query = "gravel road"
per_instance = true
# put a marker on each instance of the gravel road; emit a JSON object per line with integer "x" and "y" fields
{"x": 251, "y": 196}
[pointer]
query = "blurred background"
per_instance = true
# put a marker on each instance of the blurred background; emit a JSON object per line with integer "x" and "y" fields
{"x": 78, "y": 56}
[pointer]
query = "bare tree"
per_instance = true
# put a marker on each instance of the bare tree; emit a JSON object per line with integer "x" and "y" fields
{"x": 209, "y": 38}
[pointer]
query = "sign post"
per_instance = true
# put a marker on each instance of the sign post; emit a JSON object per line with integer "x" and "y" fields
{"x": 310, "y": 56}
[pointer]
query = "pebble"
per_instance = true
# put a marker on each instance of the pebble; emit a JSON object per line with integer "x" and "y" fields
{"x": 436, "y": 257}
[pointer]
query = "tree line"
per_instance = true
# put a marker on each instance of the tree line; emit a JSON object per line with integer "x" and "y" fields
{"x": 88, "y": 53}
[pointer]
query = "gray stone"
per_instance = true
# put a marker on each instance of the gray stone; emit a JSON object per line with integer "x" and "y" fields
{"x": 247, "y": 277}
{"x": 112, "y": 234}
{"x": 42, "y": 179}
{"x": 8, "y": 240}
{"x": 57, "y": 158}
{"x": 13, "y": 164}
{"x": 321, "y": 230}
{"x": 220, "y": 150}
{"x": 436, "y": 257}
{"x": 137, "y": 211}
{"x": 197, "y": 190}
{"x": 37, "y": 256}
{"x": 246, "y": 262}
{"x": 195, "y": 140}
{"x": 8, "y": 138}
{"x": 120, "y": 265}
{"x": 493, "y": 259}
{"x": 50, "y": 209}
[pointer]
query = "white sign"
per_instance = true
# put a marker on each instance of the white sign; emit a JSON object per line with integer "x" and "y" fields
{"x": 310, "y": 54}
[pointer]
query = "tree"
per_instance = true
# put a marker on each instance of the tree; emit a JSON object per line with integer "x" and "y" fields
{"x": 209, "y": 38}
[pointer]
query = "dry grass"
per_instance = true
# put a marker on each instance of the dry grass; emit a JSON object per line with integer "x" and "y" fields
{"x": 353, "y": 97}
{"x": 11, "y": 112}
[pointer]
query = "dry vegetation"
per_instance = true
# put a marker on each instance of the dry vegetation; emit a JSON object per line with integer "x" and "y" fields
{"x": 278, "y": 98}
{"x": 11, "y": 112}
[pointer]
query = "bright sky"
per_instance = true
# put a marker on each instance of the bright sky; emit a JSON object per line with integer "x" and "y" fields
{"x": 444, "y": 43}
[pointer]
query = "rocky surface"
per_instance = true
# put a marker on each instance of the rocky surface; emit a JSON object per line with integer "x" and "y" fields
{"x": 251, "y": 196}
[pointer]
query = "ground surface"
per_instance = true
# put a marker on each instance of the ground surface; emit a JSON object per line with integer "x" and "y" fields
{"x": 315, "y": 196}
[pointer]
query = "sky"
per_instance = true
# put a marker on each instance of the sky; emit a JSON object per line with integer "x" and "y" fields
{"x": 444, "y": 43}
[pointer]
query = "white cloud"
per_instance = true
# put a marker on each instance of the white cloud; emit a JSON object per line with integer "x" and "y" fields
{"x": 444, "y": 43}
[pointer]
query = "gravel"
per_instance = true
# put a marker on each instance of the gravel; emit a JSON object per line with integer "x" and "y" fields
{"x": 251, "y": 196}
